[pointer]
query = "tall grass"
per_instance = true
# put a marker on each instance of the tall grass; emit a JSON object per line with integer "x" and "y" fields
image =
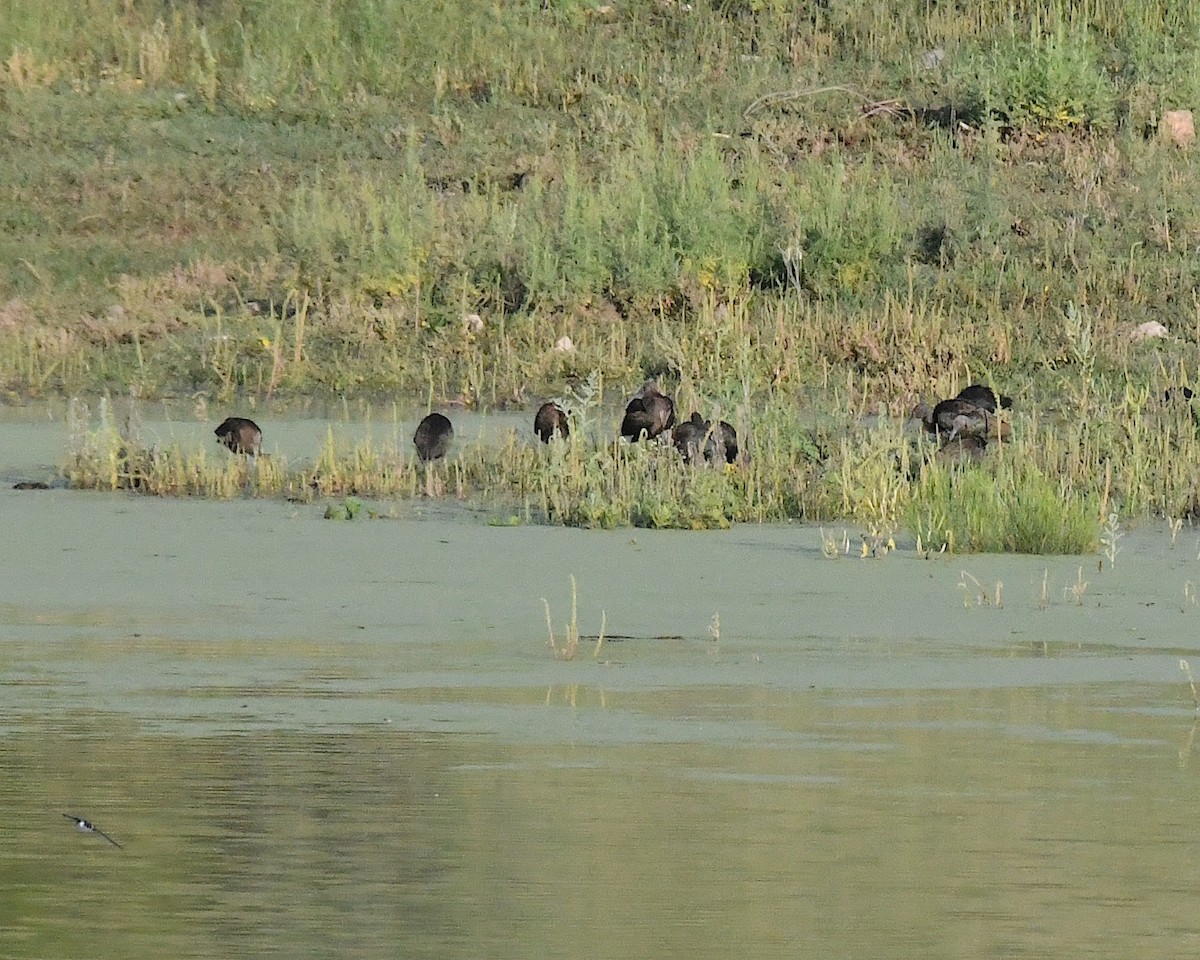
{"x": 803, "y": 215}
{"x": 1047, "y": 491}
{"x": 1010, "y": 507}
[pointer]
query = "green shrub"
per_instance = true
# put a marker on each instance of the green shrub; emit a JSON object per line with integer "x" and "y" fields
{"x": 1047, "y": 76}
{"x": 1001, "y": 507}
{"x": 358, "y": 235}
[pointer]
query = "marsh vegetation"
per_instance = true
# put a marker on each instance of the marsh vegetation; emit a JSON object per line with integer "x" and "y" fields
{"x": 800, "y": 218}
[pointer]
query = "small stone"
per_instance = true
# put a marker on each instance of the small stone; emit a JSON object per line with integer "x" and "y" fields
{"x": 564, "y": 345}
{"x": 932, "y": 59}
{"x": 1149, "y": 330}
{"x": 1178, "y": 127}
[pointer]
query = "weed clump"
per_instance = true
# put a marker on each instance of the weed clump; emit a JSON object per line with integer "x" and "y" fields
{"x": 1010, "y": 507}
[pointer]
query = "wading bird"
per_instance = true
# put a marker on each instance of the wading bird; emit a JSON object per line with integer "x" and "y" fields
{"x": 648, "y": 414}
{"x": 688, "y": 437}
{"x": 967, "y": 422}
{"x": 721, "y": 445}
{"x": 433, "y": 437}
{"x": 549, "y": 420}
{"x": 958, "y": 417}
{"x": 984, "y": 397}
{"x": 240, "y": 435}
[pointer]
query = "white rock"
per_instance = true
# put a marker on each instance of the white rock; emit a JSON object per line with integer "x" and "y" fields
{"x": 1149, "y": 330}
{"x": 1179, "y": 127}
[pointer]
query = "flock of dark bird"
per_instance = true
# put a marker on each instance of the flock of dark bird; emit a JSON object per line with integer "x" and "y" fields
{"x": 966, "y": 424}
{"x": 648, "y": 416}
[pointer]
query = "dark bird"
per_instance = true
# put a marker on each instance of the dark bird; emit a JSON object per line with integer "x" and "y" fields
{"x": 957, "y": 417}
{"x": 88, "y": 827}
{"x": 979, "y": 423}
{"x": 648, "y": 414}
{"x": 962, "y": 449}
{"x": 240, "y": 435}
{"x": 688, "y": 437}
{"x": 433, "y": 437}
{"x": 941, "y": 418}
{"x": 984, "y": 398}
{"x": 549, "y": 420}
{"x": 721, "y": 445}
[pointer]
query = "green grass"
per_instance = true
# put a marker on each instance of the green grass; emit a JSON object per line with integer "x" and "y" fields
{"x": 1047, "y": 491}
{"x": 789, "y": 210}
{"x": 1010, "y": 507}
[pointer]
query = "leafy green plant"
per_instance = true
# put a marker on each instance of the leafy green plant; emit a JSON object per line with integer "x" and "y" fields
{"x": 348, "y": 509}
{"x": 373, "y": 240}
{"x": 1007, "y": 508}
{"x": 1048, "y": 75}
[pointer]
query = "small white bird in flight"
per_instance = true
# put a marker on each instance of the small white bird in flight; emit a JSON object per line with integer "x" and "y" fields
{"x": 88, "y": 827}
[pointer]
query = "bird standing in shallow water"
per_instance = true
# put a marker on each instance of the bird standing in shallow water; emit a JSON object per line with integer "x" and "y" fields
{"x": 549, "y": 420}
{"x": 240, "y": 435}
{"x": 721, "y": 445}
{"x": 433, "y": 437}
{"x": 960, "y": 449}
{"x": 688, "y": 437}
{"x": 984, "y": 398}
{"x": 648, "y": 414}
{"x": 968, "y": 422}
{"x": 87, "y": 827}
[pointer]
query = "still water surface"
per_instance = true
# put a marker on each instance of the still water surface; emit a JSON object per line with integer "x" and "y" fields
{"x": 352, "y": 739}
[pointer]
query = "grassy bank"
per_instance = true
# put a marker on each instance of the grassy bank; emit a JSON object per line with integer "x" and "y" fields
{"x": 812, "y": 211}
{"x": 1048, "y": 490}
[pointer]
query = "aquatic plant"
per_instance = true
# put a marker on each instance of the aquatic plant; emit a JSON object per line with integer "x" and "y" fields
{"x": 570, "y": 644}
{"x": 973, "y": 588}
{"x": 1074, "y": 592}
{"x": 876, "y": 475}
{"x": 1110, "y": 534}
{"x": 1011, "y": 506}
{"x": 348, "y": 509}
{"x": 832, "y": 548}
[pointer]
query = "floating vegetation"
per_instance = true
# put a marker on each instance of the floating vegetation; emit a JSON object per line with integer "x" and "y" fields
{"x": 348, "y": 509}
